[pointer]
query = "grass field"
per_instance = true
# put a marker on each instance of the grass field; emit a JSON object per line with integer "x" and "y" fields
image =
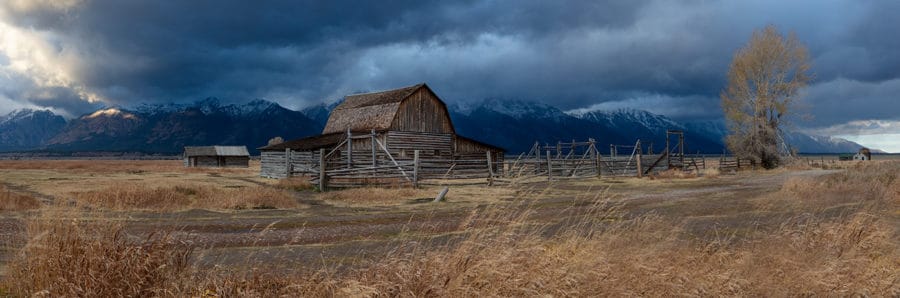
{"x": 154, "y": 228}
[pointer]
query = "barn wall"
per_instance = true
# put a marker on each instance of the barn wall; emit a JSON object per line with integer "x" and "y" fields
{"x": 402, "y": 144}
{"x": 207, "y": 161}
{"x": 422, "y": 112}
{"x": 236, "y": 161}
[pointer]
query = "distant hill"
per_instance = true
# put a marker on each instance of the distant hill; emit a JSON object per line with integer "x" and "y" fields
{"x": 511, "y": 124}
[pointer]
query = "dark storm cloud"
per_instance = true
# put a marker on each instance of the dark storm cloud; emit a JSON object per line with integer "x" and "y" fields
{"x": 666, "y": 56}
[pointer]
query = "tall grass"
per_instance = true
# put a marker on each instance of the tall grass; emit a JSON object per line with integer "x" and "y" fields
{"x": 501, "y": 251}
{"x": 70, "y": 258}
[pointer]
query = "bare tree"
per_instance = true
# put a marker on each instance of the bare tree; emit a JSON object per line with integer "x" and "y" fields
{"x": 764, "y": 81}
{"x": 275, "y": 141}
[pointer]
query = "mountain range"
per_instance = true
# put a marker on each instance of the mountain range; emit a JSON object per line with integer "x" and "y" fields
{"x": 511, "y": 124}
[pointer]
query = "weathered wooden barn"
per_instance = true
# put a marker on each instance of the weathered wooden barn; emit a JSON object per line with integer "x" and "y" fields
{"x": 216, "y": 156}
{"x": 383, "y": 128}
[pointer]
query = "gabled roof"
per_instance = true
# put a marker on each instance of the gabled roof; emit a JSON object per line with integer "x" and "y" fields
{"x": 367, "y": 111}
{"x": 216, "y": 151}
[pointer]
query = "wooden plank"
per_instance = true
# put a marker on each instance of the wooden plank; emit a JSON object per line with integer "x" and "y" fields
{"x": 322, "y": 178}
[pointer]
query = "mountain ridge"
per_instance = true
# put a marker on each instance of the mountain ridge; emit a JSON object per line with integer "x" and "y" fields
{"x": 512, "y": 124}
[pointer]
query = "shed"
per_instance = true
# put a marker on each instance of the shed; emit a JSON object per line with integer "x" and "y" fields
{"x": 863, "y": 154}
{"x": 378, "y": 127}
{"x": 216, "y": 156}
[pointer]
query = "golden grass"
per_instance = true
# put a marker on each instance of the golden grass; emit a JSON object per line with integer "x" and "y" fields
{"x": 138, "y": 197}
{"x": 14, "y": 201}
{"x": 603, "y": 252}
{"x": 70, "y": 258}
{"x": 710, "y": 172}
{"x": 117, "y": 166}
{"x": 673, "y": 174}
{"x": 295, "y": 183}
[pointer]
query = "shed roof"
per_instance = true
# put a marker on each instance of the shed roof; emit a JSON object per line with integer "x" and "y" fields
{"x": 497, "y": 148}
{"x": 309, "y": 143}
{"x": 216, "y": 151}
{"x": 361, "y": 112}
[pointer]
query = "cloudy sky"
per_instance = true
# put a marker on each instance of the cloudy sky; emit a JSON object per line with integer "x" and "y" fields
{"x": 669, "y": 57}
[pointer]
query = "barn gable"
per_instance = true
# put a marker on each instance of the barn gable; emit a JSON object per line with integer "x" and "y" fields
{"x": 413, "y": 108}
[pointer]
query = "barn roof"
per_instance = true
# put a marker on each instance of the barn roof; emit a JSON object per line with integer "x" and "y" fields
{"x": 362, "y": 112}
{"x": 216, "y": 151}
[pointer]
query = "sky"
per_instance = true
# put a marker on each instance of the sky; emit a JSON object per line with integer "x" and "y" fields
{"x": 667, "y": 57}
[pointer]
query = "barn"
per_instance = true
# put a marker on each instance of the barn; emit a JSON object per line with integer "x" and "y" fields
{"x": 379, "y": 128}
{"x": 216, "y": 156}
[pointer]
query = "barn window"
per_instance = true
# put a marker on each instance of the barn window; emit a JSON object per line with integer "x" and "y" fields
{"x": 437, "y": 152}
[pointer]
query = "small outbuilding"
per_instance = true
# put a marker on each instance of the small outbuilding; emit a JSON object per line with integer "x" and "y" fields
{"x": 216, "y": 156}
{"x": 863, "y": 154}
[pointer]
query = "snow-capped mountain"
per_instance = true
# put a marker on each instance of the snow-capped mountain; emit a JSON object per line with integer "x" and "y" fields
{"x": 629, "y": 120}
{"x": 517, "y": 109}
{"x": 167, "y": 128}
{"x": 27, "y": 128}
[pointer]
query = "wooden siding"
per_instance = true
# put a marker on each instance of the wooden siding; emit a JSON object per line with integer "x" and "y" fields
{"x": 302, "y": 163}
{"x": 422, "y": 112}
{"x": 401, "y": 144}
{"x": 217, "y": 161}
{"x": 461, "y": 146}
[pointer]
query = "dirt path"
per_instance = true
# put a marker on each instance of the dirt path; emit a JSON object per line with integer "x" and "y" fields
{"x": 334, "y": 234}
{"x": 45, "y": 198}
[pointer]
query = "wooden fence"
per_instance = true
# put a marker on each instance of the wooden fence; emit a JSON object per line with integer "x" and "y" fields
{"x": 734, "y": 164}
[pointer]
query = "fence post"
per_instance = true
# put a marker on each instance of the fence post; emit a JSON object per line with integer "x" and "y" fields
{"x": 349, "y": 149}
{"x": 640, "y": 169}
{"x": 322, "y": 183}
{"x": 374, "y": 160}
{"x": 549, "y": 167}
{"x": 416, "y": 169}
{"x": 287, "y": 162}
{"x": 490, "y": 165}
{"x": 599, "y": 165}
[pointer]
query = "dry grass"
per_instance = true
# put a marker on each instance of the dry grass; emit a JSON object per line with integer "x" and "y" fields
{"x": 874, "y": 184}
{"x": 710, "y": 172}
{"x": 296, "y": 183}
{"x": 673, "y": 174}
{"x": 500, "y": 252}
{"x": 69, "y": 258}
{"x": 117, "y": 166}
{"x": 138, "y": 197}
{"x": 14, "y": 201}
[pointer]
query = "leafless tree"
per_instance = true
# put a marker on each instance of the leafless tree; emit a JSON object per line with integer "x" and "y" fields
{"x": 275, "y": 141}
{"x": 764, "y": 81}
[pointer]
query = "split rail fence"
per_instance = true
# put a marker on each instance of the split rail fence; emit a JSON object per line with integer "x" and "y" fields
{"x": 376, "y": 165}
